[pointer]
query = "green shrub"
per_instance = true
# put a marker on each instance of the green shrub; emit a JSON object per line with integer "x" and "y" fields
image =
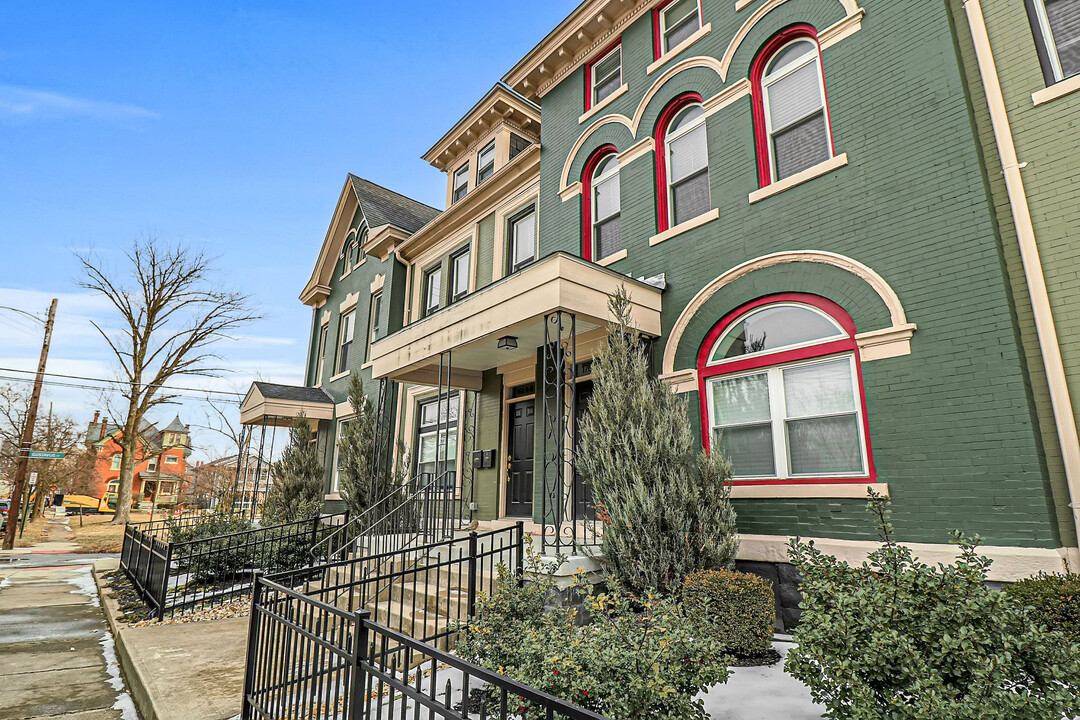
{"x": 638, "y": 657}
{"x": 215, "y": 561}
{"x": 737, "y": 611}
{"x": 895, "y": 639}
{"x": 1053, "y": 601}
{"x": 296, "y": 492}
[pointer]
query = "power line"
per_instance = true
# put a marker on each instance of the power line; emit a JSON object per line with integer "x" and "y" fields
{"x": 109, "y": 381}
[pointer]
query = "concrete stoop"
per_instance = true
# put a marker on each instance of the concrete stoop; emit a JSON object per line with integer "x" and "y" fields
{"x": 180, "y": 671}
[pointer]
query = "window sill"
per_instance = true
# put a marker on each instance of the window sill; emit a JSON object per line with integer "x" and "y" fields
{"x": 612, "y": 258}
{"x": 690, "y": 224}
{"x": 339, "y": 376}
{"x": 353, "y": 269}
{"x": 603, "y": 103}
{"x": 1057, "y": 90}
{"x": 666, "y": 57}
{"x": 854, "y": 490}
{"x": 332, "y": 496}
{"x": 366, "y": 365}
{"x": 799, "y": 178}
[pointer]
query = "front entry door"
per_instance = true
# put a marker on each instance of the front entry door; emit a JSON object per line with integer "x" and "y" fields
{"x": 519, "y": 455}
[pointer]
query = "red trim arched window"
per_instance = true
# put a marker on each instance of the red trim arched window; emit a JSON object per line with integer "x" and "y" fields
{"x": 780, "y": 387}
{"x": 792, "y": 127}
{"x": 663, "y": 186}
{"x": 589, "y": 175}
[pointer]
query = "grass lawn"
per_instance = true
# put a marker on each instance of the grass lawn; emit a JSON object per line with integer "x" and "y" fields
{"x": 92, "y": 533}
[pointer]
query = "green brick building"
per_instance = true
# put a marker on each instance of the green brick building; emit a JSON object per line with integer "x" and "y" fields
{"x": 809, "y": 213}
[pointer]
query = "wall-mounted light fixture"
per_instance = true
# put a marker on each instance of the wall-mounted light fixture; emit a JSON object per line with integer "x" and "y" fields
{"x": 508, "y": 342}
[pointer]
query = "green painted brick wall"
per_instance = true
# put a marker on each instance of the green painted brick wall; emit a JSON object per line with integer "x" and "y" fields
{"x": 954, "y": 426}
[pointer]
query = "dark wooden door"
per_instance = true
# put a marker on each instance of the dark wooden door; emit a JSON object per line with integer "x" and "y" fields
{"x": 520, "y": 459}
{"x": 583, "y": 496}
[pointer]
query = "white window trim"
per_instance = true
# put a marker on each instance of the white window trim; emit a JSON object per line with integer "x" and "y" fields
{"x": 595, "y": 218}
{"x": 452, "y": 276}
{"x": 668, "y": 139}
{"x": 593, "y": 101}
{"x": 480, "y": 166}
{"x": 664, "y": 50}
{"x": 341, "y": 340}
{"x": 171, "y": 460}
{"x": 1048, "y": 40}
{"x": 335, "y": 478}
{"x": 454, "y": 183}
{"x": 511, "y": 223}
{"x": 770, "y": 79}
{"x": 320, "y": 352}
{"x": 841, "y": 334}
{"x": 425, "y": 277}
{"x": 778, "y": 417}
{"x": 372, "y": 317}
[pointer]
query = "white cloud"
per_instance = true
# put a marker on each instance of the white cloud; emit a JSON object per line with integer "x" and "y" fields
{"x": 27, "y": 104}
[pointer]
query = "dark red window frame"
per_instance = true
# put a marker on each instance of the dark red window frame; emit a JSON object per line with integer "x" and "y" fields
{"x": 658, "y": 48}
{"x": 843, "y": 346}
{"x": 757, "y": 74}
{"x": 588, "y": 70}
{"x": 663, "y": 219}
{"x": 586, "y": 196}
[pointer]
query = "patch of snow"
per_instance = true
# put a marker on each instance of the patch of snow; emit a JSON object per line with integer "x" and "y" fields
{"x": 123, "y": 702}
{"x": 85, "y": 585}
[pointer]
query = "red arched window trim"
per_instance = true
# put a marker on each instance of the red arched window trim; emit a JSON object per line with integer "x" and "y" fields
{"x": 586, "y": 196}
{"x": 757, "y": 73}
{"x": 769, "y": 359}
{"x": 663, "y": 220}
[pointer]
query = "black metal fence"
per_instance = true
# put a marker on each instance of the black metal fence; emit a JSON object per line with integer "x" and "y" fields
{"x": 311, "y": 659}
{"x": 178, "y": 576}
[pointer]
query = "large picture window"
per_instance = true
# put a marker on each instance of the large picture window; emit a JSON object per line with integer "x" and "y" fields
{"x": 1057, "y": 32}
{"x": 602, "y": 227}
{"x": 791, "y": 112}
{"x": 436, "y": 439}
{"x": 782, "y": 392}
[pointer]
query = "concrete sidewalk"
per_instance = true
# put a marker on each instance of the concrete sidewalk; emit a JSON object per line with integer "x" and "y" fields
{"x": 56, "y": 653}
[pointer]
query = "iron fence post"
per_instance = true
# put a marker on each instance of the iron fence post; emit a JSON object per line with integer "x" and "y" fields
{"x": 359, "y": 657}
{"x": 472, "y": 574}
{"x": 519, "y": 569}
{"x": 252, "y": 645}
{"x": 163, "y": 590}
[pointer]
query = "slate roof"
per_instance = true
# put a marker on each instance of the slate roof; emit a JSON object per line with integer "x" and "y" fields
{"x": 176, "y": 426}
{"x": 273, "y": 391}
{"x": 386, "y": 207}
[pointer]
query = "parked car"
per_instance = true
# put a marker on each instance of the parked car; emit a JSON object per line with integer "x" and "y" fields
{"x": 5, "y": 505}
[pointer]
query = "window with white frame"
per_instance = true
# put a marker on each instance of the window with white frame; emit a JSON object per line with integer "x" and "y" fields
{"x": 335, "y": 481}
{"x": 151, "y": 464}
{"x": 461, "y": 183}
{"x": 346, "y": 332}
{"x": 115, "y": 465}
{"x": 687, "y": 152}
{"x": 678, "y": 20}
{"x": 436, "y": 438}
{"x": 460, "y": 263}
{"x": 783, "y": 395}
{"x": 522, "y": 239}
{"x": 1058, "y": 28}
{"x": 171, "y": 460}
{"x": 348, "y": 254}
{"x": 605, "y": 75}
{"x": 796, "y": 116}
{"x": 606, "y": 230}
{"x": 321, "y": 357}
{"x": 374, "y": 321}
{"x": 485, "y": 163}
{"x": 432, "y": 290}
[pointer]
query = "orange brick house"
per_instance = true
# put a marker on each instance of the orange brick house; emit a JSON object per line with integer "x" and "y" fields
{"x": 161, "y": 461}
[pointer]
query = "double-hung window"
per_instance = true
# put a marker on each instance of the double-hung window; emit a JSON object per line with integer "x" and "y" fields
{"x": 321, "y": 357}
{"x": 461, "y": 183}
{"x": 795, "y": 115}
{"x": 1057, "y": 30}
{"x": 436, "y": 440}
{"x": 605, "y": 76}
{"x": 604, "y": 206}
{"x": 678, "y": 20}
{"x": 780, "y": 388}
{"x": 432, "y": 290}
{"x": 687, "y": 152}
{"x": 459, "y": 274}
{"x": 485, "y": 163}
{"x": 374, "y": 321}
{"x": 346, "y": 332}
{"x": 115, "y": 464}
{"x": 522, "y": 234}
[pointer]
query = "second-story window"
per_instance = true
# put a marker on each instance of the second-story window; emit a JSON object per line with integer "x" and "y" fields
{"x": 346, "y": 332}
{"x": 605, "y": 76}
{"x": 687, "y": 152}
{"x": 432, "y": 290}
{"x": 485, "y": 163}
{"x": 115, "y": 465}
{"x": 321, "y": 359}
{"x": 151, "y": 464}
{"x": 461, "y": 183}
{"x": 375, "y": 321}
{"x": 603, "y": 230}
{"x": 677, "y": 21}
{"x": 1058, "y": 28}
{"x": 459, "y": 274}
{"x": 522, "y": 233}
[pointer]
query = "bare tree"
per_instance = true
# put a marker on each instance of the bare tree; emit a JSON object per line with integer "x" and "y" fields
{"x": 171, "y": 310}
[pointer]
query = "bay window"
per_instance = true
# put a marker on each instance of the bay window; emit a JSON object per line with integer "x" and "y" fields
{"x": 781, "y": 392}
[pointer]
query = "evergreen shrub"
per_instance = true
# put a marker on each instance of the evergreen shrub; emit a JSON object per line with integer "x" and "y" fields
{"x": 895, "y": 639}
{"x": 297, "y": 489}
{"x": 217, "y": 560}
{"x": 1053, "y": 600}
{"x": 737, "y": 611}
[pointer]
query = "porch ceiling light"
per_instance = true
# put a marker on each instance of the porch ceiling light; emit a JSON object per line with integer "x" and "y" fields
{"x": 508, "y": 342}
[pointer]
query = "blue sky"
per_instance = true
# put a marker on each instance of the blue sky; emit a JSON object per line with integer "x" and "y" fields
{"x": 227, "y": 125}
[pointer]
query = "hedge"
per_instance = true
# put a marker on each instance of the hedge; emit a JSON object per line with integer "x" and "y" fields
{"x": 736, "y": 610}
{"x": 1052, "y": 600}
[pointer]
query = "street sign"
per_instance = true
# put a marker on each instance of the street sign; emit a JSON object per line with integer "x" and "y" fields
{"x": 45, "y": 455}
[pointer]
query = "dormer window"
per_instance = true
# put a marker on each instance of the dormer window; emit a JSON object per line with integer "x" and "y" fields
{"x": 605, "y": 76}
{"x": 461, "y": 183}
{"x": 678, "y": 20}
{"x": 485, "y": 163}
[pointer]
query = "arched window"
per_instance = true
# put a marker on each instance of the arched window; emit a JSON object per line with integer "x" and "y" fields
{"x": 601, "y": 210}
{"x": 781, "y": 392}
{"x": 682, "y": 168}
{"x": 790, "y": 105}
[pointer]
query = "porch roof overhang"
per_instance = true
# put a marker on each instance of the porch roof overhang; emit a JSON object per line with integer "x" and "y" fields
{"x": 517, "y": 306}
{"x": 275, "y": 405}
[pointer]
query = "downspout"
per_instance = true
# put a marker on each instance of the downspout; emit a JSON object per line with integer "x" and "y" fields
{"x": 1029, "y": 254}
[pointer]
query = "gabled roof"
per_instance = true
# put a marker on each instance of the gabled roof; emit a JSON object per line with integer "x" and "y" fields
{"x": 386, "y": 207}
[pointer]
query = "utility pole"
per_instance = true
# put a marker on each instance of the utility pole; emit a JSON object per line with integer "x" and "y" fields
{"x": 28, "y": 432}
